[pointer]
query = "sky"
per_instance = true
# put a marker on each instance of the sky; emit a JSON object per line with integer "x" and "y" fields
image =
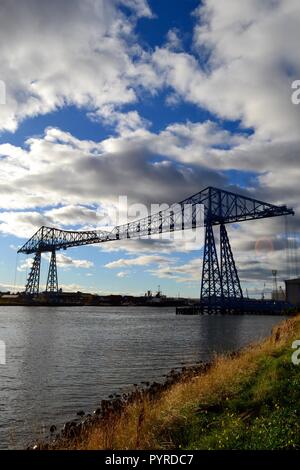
{"x": 152, "y": 101}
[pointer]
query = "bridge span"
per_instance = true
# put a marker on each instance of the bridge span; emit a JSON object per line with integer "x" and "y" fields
{"x": 208, "y": 208}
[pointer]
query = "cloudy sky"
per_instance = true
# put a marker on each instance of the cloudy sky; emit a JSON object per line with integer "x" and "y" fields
{"x": 153, "y": 100}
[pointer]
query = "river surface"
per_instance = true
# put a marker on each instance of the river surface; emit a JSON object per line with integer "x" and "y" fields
{"x": 61, "y": 360}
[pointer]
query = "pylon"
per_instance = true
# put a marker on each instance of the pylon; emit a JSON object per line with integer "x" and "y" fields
{"x": 211, "y": 285}
{"x": 52, "y": 281}
{"x": 33, "y": 281}
{"x": 229, "y": 275}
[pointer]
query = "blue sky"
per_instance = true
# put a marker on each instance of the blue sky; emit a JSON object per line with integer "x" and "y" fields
{"x": 153, "y": 102}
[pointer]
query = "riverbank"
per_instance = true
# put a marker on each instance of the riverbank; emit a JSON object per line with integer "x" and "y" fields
{"x": 246, "y": 400}
{"x": 81, "y": 299}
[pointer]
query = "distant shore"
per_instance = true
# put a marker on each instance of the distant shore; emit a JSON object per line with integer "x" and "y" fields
{"x": 243, "y": 400}
{"x": 81, "y": 299}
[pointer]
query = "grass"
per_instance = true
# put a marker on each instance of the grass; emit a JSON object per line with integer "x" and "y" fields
{"x": 249, "y": 400}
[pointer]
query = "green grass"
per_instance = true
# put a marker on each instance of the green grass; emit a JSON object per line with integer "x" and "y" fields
{"x": 264, "y": 414}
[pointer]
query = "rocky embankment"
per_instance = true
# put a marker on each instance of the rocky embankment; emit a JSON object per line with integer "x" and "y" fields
{"x": 111, "y": 409}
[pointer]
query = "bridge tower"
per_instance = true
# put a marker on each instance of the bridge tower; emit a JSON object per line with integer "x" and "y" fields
{"x": 229, "y": 275}
{"x": 220, "y": 279}
{"x": 33, "y": 281}
{"x": 52, "y": 280}
{"x": 211, "y": 285}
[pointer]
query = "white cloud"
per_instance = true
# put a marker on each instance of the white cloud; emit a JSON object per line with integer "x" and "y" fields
{"x": 63, "y": 261}
{"x": 75, "y": 215}
{"x": 4, "y": 287}
{"x": 165, "y": 267}
{"x": 79, "y": 52}
{"x": 22, "y": 224}
{"x": 250, "y": 47}
{"x": 141, "y": 7}
{"x": 66, "y": 261}
{"x": 189, "y": 272}
{"x": 59, "y": 169}
{"x": 174, "y": 41}
{"x": 122, "y": 274}
{"x": 124, "y": 123}
{"x": 139, "y": 261}
{"x": 25, "y": 265}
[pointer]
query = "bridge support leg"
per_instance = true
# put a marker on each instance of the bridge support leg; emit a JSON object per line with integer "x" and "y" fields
{"x": 211, "y": 284}
{"x": 33, "y": 281}
{"x": 52, "y": 280}
{"x": 229, "y": 275}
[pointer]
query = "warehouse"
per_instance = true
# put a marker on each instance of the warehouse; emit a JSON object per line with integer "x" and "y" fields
{"x": 292, "y": 288}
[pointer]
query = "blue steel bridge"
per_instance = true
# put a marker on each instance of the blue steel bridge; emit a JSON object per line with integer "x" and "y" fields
{"x": 211, "y": 207}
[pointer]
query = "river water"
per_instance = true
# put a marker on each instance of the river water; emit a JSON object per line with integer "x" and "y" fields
{"x": 61, "y": 360}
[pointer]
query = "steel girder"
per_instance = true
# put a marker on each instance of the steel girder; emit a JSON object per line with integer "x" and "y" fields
{"x": 47, "y": 239}
{"x": 211, "y": 206}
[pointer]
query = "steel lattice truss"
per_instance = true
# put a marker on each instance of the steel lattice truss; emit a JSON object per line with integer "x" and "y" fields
{"x": 47, "y": 239}
{"x": 52, "y": 281}
{"x": 231, "y": 286}
{"x": 33, "y": 281}
{"x": 211, "y": 206}
{"x": 211, "y": 285}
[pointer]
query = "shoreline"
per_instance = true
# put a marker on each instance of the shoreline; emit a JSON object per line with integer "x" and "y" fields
{"x": 155, "y": 416}
{"x": 112, "y": 407}
{"x": 69, "y": 304}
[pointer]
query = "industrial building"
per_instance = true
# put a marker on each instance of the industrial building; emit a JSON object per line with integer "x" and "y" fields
{"x": 292, "y": 288}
